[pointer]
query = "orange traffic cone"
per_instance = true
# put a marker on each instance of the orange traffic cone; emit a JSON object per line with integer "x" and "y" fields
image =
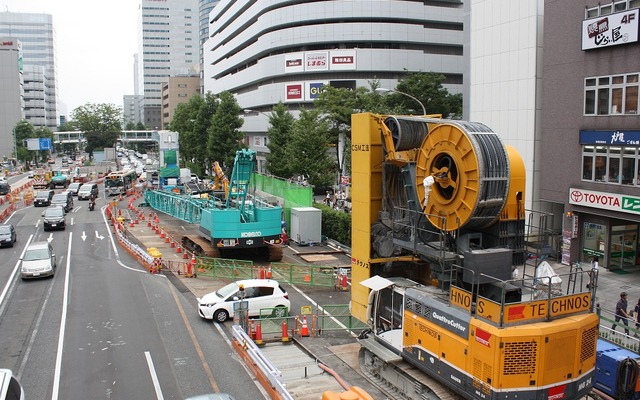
{"x": 258, "y": 333}
{"x": 269, "y": 272}
{"x": 162, "y": 234}
{"x": 285, "y": 332}
{"x": 304, "y": 331}
{"x": 131, "y": 225}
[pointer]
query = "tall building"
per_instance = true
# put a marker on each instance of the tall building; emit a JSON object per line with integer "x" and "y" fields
{"x": 168, "y": 46}
{"x": 205, "y": 8}
{"x": 11, "y": 92}
{"x": 131, "y": 109}
{"x": 177, "y": 90}
{"x": 590, "y": 136}
{"x": 505, "y": 77}
{"x": 267, "y": 52}
{"x": 37, "y": 35}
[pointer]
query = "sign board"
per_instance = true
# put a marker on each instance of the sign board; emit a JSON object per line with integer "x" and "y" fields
{"x": 39, "y": 144}
{"x": 614, "y": 137}
{"x": 610, "y": 30}
{"x": 605, "y": 201}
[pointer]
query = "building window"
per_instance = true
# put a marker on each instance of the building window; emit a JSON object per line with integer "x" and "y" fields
{"x": 613, "y": 7}
{"x": 611, "y": 164}
{"x": 611, "y": 95}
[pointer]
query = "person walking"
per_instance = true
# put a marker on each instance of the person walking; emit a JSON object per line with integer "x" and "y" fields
{"x": 621, "y": 313}
{"x": 636, "y": 317}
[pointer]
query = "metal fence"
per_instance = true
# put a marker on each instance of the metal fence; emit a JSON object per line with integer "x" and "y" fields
{"x": 302, "y": 274}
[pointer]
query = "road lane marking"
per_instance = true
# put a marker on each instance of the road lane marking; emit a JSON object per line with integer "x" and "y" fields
{"x": 13, "y": 274}
{"x": 205, "y": 365}
{"x": 36, "y": 328}
{"x": 154, "y": 376}
{"x": 63, "y": 323}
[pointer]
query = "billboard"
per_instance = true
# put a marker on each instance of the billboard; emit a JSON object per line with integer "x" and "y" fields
{"x": 342, "y": 60}
{"x": 316, "y": 61}
{"x": 39, "y": 144}
{"x": 293, "y": 92}
{"x": 293, "y": 63}
{"x": 610, "y": 30}
{"x": 313, "y": 89}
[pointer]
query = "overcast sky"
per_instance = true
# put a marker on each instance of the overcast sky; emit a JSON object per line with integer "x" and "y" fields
{"x": 96, "y": 42}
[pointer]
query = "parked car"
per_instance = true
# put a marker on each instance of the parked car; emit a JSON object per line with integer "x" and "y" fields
{"x": 261, "y": 294}
{"x": 64, "y": 199}
{"x": 85, "y": 191}
{"x": 74, "y": 187}
{"x": 38, "y": 260}
{"x": 211, "y": 396}
{"x": 43, "y": 198}
{"x": 7, "y": 235}
{"x": 54, "y": 218}
{"x": 10, "y": 387}
{"x": 5, "y": 188}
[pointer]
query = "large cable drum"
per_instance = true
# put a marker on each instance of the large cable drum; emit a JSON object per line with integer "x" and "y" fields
{"x": 470, "y": 165}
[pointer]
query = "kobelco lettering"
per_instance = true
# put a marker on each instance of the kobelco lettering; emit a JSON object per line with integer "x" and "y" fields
{"x": 250, "y": 234}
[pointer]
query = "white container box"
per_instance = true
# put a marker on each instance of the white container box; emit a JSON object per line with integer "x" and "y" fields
{"x": 306, "y": 225}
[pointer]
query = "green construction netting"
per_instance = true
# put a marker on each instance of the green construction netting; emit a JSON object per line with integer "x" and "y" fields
{"x": 170, "y": 158}
{"x": 290, "y": 195}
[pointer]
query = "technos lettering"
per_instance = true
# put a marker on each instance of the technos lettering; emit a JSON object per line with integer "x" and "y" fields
{"x": 454, "y": 324}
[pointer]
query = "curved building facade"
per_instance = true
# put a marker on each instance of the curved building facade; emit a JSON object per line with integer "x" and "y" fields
{"x": 270, "y": 51}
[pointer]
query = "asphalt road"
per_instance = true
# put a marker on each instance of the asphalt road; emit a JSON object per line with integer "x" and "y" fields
{"x": 102, "y": 327}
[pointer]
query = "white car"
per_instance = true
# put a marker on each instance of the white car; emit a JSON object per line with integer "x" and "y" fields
{"x": 264, "y": 296}
{"x": 39, "y": 260}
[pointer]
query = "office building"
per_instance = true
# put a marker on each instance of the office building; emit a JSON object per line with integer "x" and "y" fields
{"x": 131, "y": 112}
{"x": 37, "y": 35}
{"x": 177, "y": 90}
{"x": 504, "y": 77}
{"x": 168, "y": 46}
{"x": 267, "y": 52}
{"x": 11, "y": 92}
{"x": 590, "y": 136}
{"x": 205, "y": 8}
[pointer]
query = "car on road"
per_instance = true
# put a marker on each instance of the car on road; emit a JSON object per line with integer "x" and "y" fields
{"x": 74, "y": 187}
{"x": 263, "y": 297}
{"x": 211, "y": 396}
{"x": 39, "y": 260}
{"x": 54, "y": 218}
{"x": 10, "y": 387}
{"x": 43, "y": 198}
{"x": 7, "y": 235}
{"x": 86, "y": 190}
{"x": 5, "y": 188}
{"x": 64, "y": 200}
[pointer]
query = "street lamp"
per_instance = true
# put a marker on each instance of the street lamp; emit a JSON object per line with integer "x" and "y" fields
{"x": 383, "y": 90}
{"x": 249, "y": 111}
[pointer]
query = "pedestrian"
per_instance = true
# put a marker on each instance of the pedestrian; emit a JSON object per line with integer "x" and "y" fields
{"x": 621, "y": 313}
{"x": 636, "y": 316}
{"x": 327, "y": 199}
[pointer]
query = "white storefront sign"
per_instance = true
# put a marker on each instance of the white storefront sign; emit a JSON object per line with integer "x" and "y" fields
{"x": 604, "y": 200}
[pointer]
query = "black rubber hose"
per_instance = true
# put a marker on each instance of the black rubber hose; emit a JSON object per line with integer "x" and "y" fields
{"x": 626, "y": 379}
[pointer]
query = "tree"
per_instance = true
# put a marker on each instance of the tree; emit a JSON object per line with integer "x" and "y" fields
{"x": 225, "y": 137}
{"x": 426, "y": 87}
{"x": 192, "y": 120}
{"x": 23, "y": 131}
{"x": 101, "y": 124}
{"x": 307, "y": 150}
{"x": 281, "y": 121}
